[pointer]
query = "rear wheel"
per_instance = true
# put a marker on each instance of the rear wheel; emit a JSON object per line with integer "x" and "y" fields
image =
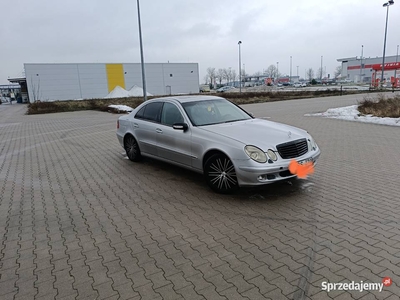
{"x": 220, "y": 174}
{"x": 132, "y": 148}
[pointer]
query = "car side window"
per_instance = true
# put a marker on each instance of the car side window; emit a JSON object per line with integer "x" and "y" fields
{"x": 171, "y": 114}
{"x": 139, "y": 114}
{"x": 150, "y": 112}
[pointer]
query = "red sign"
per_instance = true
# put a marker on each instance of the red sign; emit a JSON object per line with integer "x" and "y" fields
{"x": 388, "y": 66}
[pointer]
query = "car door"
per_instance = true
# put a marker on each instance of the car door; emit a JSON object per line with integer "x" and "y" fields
{"x": 144, "y": 126}
{"x": 173, "y": 144}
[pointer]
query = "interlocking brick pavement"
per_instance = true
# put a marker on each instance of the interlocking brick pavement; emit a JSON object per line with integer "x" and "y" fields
{"x": 80, "y": 221}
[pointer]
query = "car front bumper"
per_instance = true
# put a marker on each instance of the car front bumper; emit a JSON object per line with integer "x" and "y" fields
{"x": 262, "y": 174}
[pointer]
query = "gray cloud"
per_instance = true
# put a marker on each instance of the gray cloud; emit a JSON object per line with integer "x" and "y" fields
{"x": 206, "y": 32}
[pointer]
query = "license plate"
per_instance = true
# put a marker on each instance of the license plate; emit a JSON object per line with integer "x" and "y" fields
{"x": 302, "y": 162}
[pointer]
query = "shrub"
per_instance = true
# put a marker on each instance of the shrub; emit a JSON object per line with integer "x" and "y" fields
{"x": 381, "y": 106}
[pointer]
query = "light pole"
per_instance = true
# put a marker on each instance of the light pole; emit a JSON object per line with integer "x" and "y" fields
{"x": 240, "y": 68}
{"x": 290, "y": 78}
{"x": 397, "y": 59}
{"x": 321, "y": 67}
{"x": 387, "y": 4}
{"x": 141, "y": 54}
{"x": 361, "y": 65}
{"x": 277, "y": 71}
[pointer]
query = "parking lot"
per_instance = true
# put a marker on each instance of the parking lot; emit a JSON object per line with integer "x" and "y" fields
{"x": 79, "y": 220}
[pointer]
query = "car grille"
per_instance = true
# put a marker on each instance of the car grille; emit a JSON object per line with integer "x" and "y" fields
{"x": 293, "y": 149}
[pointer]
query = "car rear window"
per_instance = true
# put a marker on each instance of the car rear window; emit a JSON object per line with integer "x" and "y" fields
{"x": 150, "y": 112}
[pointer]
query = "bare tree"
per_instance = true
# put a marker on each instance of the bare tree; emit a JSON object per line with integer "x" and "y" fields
{"x": 226, "y": 75}
{"x": 211, "y": 74}
{"x": 220, "y": 75}
{"x": 206, "y": 78}
{"x": 338, "y": 71}
{"x": 310, "y": 74}
{"x": 271, "y": 71}
{"x": 258, "y": 73}
{"x": 233, "y": 75}
{"x": 36, "y": 92}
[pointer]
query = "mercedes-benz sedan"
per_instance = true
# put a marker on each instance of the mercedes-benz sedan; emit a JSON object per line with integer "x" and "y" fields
{"x": 213, "y": 136}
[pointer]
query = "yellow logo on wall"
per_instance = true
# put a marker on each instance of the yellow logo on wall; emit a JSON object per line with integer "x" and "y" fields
{"x": 115, "y": 76}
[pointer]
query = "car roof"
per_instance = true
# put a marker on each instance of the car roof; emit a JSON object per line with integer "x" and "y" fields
{"x": 184, "y": 99}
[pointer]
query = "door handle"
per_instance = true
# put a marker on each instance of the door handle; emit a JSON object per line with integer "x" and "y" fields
{"x": 135, "y": 125}
{"x": 158, "y": 130}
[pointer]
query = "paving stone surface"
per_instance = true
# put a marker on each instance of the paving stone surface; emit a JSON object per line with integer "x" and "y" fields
{"x": 80, "y": 221}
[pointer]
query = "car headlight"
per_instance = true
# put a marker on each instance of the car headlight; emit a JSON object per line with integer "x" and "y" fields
{"x": 272, "y": 155}
{"x": 313, "y": 144}
{"x": 255, "y": 154}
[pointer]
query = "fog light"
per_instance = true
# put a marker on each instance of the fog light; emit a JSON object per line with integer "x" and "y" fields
{"x": 262, "y": 177}
{"x": 266, "y": 177}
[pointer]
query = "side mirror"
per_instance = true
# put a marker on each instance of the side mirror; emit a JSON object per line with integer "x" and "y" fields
{"x": 180, "y": 126}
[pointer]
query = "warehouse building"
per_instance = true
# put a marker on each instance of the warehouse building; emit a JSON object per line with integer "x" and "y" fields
{"x": 68, "y": 81}
{"x": 366, "y": 69}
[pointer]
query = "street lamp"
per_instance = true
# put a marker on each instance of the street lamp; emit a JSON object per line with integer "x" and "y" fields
{"x": 361, "y": 66}
{"x": 321, "y": 67}
{"x": 277, "y": 71}
{"x": 290, "y": 78}
{"x": 397, "y": 59}
{"x": 141, "y": 54}
{"x": 240, "y": 68}
{"x": 387, "y": 4}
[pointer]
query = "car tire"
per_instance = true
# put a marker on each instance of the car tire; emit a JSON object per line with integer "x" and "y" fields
{"x": 132, "y": 148}
{"x": 220, "y": 174}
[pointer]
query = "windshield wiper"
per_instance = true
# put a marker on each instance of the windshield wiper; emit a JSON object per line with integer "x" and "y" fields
{"x": 234, "y": 120}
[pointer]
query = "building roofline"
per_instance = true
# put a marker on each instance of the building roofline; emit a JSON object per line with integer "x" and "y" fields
{"x": 347, "y": 59}
{"x": 364, "y": 58}
{"x": 17, "y": 80}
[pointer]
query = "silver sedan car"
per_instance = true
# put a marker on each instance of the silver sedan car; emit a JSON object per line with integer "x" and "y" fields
{"x": 215, "y": 137}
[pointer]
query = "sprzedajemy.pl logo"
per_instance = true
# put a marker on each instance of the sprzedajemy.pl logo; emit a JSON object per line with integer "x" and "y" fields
{"x": 356, "y": 286}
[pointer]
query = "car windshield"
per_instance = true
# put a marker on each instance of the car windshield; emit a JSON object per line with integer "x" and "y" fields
{"x": 209, "y": 112}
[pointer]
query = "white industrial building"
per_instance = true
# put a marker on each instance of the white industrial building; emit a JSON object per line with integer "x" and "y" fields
{"x": 67, "y": 81}
{"x": 359, "y": 69}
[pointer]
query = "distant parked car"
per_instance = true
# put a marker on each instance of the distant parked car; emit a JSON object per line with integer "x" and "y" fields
{"x": 205, "y": 88}
{"x": 297, "y": 85}
{"x": 225, "y": 89}
{"x": 5, "y": 99}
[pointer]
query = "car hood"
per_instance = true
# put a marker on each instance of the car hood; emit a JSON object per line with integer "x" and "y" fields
{"x": 261, "y": 133}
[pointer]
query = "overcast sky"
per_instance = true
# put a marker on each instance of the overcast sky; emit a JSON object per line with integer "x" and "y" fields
{"x": 206, "y": 32}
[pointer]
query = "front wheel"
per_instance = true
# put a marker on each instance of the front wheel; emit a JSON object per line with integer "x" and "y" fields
{"x": 132, "y": 148}
{"x": 220, "y": 174}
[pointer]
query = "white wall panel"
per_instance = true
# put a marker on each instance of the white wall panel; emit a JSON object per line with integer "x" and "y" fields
{"x": 86, "y": 80}
{"x": 93, "y": 80}
{"x": 52, "y": 81}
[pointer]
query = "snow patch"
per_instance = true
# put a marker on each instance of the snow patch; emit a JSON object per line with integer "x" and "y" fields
{"x": 351, "y": 113}
{"x": 121, "y": 108}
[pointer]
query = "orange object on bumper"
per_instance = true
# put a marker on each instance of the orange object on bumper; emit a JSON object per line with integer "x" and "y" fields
{"x": 301, "y": 170}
